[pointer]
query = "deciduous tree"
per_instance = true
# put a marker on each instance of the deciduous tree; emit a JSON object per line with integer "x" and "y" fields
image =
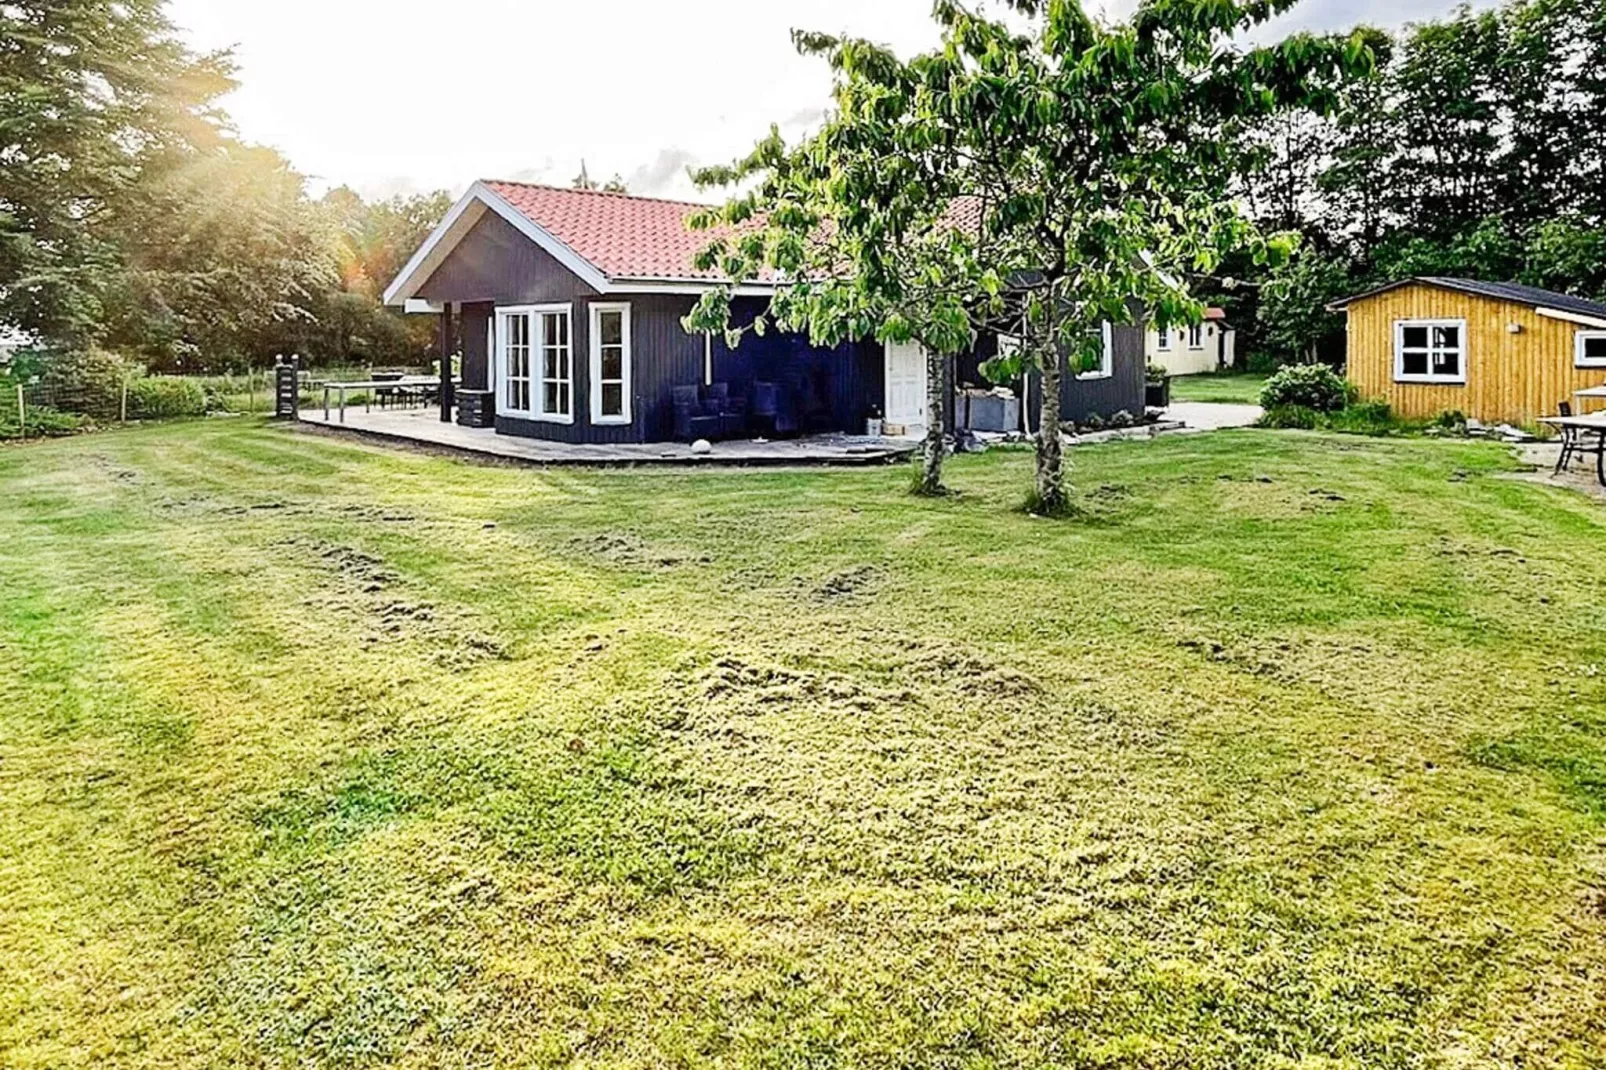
{"x": 1091, "y": 156}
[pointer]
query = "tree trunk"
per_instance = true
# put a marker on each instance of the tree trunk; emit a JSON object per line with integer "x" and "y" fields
{"x": 1050, "y": 448}
{"x": 936, "y": 405}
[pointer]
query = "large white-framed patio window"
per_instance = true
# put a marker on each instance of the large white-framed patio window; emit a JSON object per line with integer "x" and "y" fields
{"x": 1589, "y": 349}
{"x": 1430, "y": 351}
{"x": 610, "y": 363}
{"x": 534, "y": 362}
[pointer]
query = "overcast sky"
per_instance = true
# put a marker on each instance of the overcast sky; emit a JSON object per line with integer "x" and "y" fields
{"x": 398, "y": 96}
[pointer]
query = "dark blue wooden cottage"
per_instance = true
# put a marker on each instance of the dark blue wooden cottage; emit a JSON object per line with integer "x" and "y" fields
{"x": 566, "y": 308}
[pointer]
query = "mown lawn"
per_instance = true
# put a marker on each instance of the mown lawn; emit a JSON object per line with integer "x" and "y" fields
{"x": 1291, "y": 752}
{"x": 1234, "y": 387}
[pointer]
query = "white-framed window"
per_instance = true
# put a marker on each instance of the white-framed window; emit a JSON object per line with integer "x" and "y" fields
{"x": 1164, "y": 335}
{"x": 1106, "y": 366}
{"x": 610, "y": 363}
{"x": 1196, "y": 336}
{"x": 1430, "y": 351}
{"x": 515, "y": 361}
{"x": 1589, "y": 349}
{"x": 534, "y": 362}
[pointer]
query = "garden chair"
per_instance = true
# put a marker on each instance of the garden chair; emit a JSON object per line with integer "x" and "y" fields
{"x": 692, "y": 422}
{"x": 730, "y": 408}
{"x": 387, "y": 396}
{"x": 1574, "y": 442}
{"x": 769, "y": 412}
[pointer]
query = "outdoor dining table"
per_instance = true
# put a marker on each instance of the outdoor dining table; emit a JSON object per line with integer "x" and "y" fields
{"x": 1592, "y": 424}
{"x": 1594, "y": 393}
{"x": 404, "y": 383}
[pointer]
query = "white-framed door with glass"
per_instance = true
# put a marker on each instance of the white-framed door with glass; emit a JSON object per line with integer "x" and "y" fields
{"x": 906, "y": 386}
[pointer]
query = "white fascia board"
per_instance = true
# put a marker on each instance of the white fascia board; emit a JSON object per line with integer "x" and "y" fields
{"x": 1572, "y": 317}
{"x": 415, "y": 306}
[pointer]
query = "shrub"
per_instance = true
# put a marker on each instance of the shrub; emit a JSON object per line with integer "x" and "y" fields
{"x": 1155, "y": 373}
{"x": 1366, "y": 418}
{"x": 1121, "y": 418}
{"x": 87, "y": 381}
{"x": 42, "y": 422}
{"x": 1309, "y": 386}
{"x": 163, "y": 397}
{"x": 1300, "y": 417}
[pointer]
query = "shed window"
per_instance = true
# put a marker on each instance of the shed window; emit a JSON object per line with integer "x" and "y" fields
{"x": 610, "y": 364}
{"x": 1164, "y": 337}
{"x": 1430, "y": 351}
{"x": 1196, "y": 336}
{"x": 1106, "y": 366}
{"x": 1590, "y": 349}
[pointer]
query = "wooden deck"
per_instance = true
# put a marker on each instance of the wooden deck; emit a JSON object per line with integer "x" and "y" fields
{"x": 423, "y": 427}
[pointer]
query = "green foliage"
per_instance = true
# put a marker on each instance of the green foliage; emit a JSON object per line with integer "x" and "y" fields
{"x": 41, "y": 420}
{"x": 1357, "y": 417}
{"x": 93, "y": 97}
{"x": 1473, "y": 150}
{"x": 1364, "y": 418}
{"x": 1035, "y": 183}
{"x": 131, "y": 219}
{"x": 86, "y": 381}
{"x": 1450, "y": 420}
{"x": 1311, "y": 386}
{"x": 1296, "y": 417}
{"x": 165, "y": 397}
{"x": 1293, "y": 313}
{"x": 1155, "y": 373}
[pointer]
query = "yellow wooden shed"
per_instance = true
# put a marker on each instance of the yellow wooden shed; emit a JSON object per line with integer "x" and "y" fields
{"x": 1494, "y": 351}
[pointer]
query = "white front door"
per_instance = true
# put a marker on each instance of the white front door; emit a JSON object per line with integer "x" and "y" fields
{"x": 906, "y": 386}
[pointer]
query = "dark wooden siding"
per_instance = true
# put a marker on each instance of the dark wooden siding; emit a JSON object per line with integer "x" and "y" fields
{"x": 495, "y": 262}
{"x": 829, "y": 389}
{"x": 476, "y": 318}
{"x": 1122, "y": 389}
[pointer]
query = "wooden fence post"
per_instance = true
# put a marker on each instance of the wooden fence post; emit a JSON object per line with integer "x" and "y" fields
{"x": 287, "y": 388}
{"x": 22, "y": 414}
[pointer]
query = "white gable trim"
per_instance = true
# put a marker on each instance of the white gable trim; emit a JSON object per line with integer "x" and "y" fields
{"x": 480, "y": 199}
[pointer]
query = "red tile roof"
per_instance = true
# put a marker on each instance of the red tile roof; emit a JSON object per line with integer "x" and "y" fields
{"x": 622, "y": 235}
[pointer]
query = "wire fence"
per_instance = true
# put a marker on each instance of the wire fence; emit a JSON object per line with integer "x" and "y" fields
{"x": 117, "y": 392}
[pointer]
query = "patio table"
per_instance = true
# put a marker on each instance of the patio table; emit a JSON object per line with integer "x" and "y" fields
{"x": 406, "y": 382}
{"x": 1593, "y": 424}
{"x": 1594, "y": 393}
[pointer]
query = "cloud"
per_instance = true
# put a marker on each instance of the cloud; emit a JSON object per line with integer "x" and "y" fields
{"x": 664, "y": 176}
{"x": 541, "y": 174}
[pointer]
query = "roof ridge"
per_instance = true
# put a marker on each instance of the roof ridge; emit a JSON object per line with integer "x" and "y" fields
{"x": 625, "y": 195}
